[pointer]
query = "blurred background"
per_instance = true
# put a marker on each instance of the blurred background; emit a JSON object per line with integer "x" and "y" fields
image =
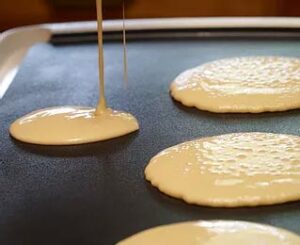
{"x": 23, "y": 12}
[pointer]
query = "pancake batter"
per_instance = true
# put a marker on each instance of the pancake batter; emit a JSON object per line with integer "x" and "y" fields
{"x": 243, "y": 169}
{"x": 76, "y": 125}
{"x": 246, "y": 84}
{"x": 213, "y": 233}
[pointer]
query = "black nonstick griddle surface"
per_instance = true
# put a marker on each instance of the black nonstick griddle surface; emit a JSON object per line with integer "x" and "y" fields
{"x": 96, "y": 193}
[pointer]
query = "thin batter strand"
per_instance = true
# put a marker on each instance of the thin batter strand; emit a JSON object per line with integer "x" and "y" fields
{"x": 102, "y": 100}
{"x": 125, "y": 48}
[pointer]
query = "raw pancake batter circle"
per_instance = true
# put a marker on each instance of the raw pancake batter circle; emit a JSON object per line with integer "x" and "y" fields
{"x": 245, "y": 84}
{"x": 242, "y": 169}
{"x": 72, "y": 125}
{"x": 213, "y": 233}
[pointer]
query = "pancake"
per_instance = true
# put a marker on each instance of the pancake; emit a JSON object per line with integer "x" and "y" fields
{"x": 246, "y": 84}
{"x": 72, "y": 125}
{"x": 232, "y": 170}
{"x": 213, "y": 233}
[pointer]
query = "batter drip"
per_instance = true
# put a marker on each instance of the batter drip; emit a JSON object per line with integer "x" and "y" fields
{"x": 76, "y": 125}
